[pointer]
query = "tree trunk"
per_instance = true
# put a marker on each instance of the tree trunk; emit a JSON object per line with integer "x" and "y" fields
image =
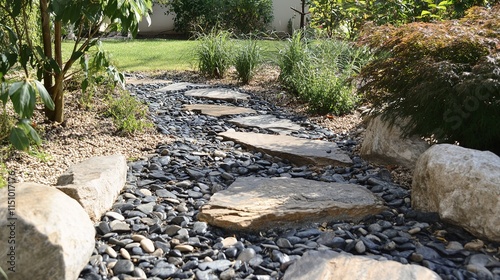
{"x": 303, "y": 15}
{"x": 57, "y": 90}
{"x": 47, "y": 44}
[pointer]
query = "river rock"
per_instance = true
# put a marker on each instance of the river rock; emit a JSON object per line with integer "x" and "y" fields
{"x": 384, "y": 144}
{"x": 45, "y": 234}
{"x": 329, "y": 265}
{"x": 95, "y": 183}
{"x": 255, "y": 203}
{"x": 296, "y": 150}
{"x": 462, "y": 185}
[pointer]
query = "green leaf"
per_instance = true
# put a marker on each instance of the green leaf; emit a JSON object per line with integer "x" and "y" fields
{"x": 76, "y": 55}
{"x": 23, "y": 98}
{"x": 25, "y": 124}
{"x": 47, "y": 100}
{"x": 4, "y": 93}
{"x": 425, "y": 13}
{"x": 53, "y": 64}
{"x": 85, "y": 85}
{"x": 19, "y": 139}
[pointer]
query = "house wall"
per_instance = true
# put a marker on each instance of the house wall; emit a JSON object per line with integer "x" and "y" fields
{"x": 162, "y": 23}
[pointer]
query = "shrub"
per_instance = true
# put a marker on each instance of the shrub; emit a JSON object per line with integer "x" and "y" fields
{"x": 443, "y": 77}
{"x": 247, "y": 60}
{"x": 214, "y": 53}
{"x": 321, "y": 72}
{"x": 128, "y": 113}
{"x": 240, "y": 16}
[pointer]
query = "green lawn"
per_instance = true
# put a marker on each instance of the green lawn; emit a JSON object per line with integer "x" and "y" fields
{"x": 161, "y": 54}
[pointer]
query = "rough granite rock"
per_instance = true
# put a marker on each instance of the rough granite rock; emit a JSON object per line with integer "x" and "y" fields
{"x": 95, "y": 183}
{"x": 462, "y": 185}
{"x": 255, "y": 203}
{"x": 218, "y": 110}
{"x": 329, "y": 265}
{"x": 217, "y": 94}
{"x": 384, "y": 144}
{"x": 297, "y": 150}
{"x": 271, "y": 122}
{"x": 51, "y": 236}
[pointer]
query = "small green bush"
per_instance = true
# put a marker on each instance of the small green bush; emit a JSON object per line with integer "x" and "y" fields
{"x": 128, "y": 113}
{"x": 214, "y": 53}
{"x": 443, "y": 77}
{"x": 321, "y": 72}
{"x": 247, "y": 60}
{"x": 240, "y": 16}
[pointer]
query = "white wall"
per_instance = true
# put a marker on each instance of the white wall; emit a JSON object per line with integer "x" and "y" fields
{"x": 161, "y": 23}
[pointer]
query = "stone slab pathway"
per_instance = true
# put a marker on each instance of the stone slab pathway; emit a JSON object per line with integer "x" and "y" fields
{"x": 180, "y": 86}
{"x": 217, "y": 94}
{"x": 271, "y": 122}
{"x": 255, "y": 203}
{"x": 297, "y": 150}
{"x": 218, "y": 110}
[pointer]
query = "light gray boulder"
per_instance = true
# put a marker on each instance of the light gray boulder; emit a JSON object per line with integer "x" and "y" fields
{"x": 462, "y": 185}
{"x": 329, "y": 265}
{"x": 95, "y": 183}
{"x": 45, "y": 234}
{"x": 384, "y": 144}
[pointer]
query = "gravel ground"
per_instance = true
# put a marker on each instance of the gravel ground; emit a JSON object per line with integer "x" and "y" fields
{"x": 86, "y": 133}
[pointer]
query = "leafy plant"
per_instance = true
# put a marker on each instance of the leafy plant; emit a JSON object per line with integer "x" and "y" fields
{"x": 3, "y": 183}
{"x": 128, "y": 113}
{"x": 345, "y": 18}
{"x": 214, "y": 53}
{"x": 240, "y": 16}
{"x": 321, "y": 72}
{"x": 444, "y": 78}
{"x": 247, "y": 60}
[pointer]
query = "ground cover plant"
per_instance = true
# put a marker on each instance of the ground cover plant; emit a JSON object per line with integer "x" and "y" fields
{"x": 443, "y": 78}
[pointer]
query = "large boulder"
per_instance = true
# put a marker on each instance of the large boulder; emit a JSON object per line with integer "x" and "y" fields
{"x": 462, "y": 185}
{"x": 329, "y": 265}
{"x": 256, "y": 203}
{"x": 45, "y": 234}
{"x": 95, "y": 183}
{"x": 384, "y": 144}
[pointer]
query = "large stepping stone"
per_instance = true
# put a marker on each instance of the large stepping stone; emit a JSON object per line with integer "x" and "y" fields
{"x": 44, "y": 233}
{"x": 217, "y": 94}
{"x": 297, "y": 150}
{"x": 271, "y": 122}
{"x": 180, "y": 86}
{"x": 218, "y": 110}
{"x": 256, "y": 203}
{"x": 330, "y": 265}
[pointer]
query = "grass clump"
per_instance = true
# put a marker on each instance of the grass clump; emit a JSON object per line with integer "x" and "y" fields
{"x": 128, "y": 113}
{"x": 3, "y": 175}
{"x": 214, "y": 53}
{"x": 321, "y": 72}
{"x": 443, "y": 78}
{"x": 247, "y": 60}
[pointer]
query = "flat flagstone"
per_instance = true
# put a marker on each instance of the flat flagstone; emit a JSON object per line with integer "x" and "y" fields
{"x": 218, "y": 110}
{"x": 180, "y": 86}
{"x": 257, "y": 203}
{"x": 296, "y": 150}
{"x": 271, "y": 122}
{"x": 217, "y": 94}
